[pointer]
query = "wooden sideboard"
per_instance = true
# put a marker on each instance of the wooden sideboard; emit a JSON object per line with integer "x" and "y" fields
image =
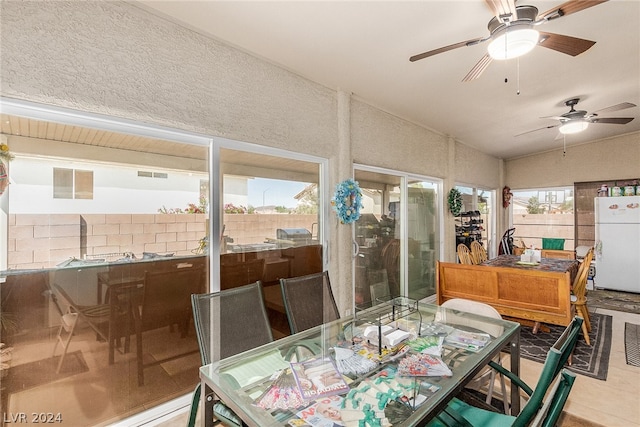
{"x": 538, "y": 296}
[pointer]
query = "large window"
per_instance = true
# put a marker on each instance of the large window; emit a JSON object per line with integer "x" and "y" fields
{"x": 116, "y": 244}
{"x": 90, "y": 239}
{"x": 543, "y": 213}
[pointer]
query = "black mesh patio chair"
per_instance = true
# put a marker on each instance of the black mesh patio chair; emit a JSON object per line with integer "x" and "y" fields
{"x": 227, "y": 323}
{"x": 308, "y": 301}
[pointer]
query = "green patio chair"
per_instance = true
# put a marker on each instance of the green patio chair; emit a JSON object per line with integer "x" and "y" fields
{"x": 544, "y": 413}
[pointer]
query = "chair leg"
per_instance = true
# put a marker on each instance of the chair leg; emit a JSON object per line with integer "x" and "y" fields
{"x": 195, "y": 402}
{"x": 505, "y": 396}
{"x": 585, "y": 332}
{"x": 585, "y": 315}
{"x": 68, "y": 324}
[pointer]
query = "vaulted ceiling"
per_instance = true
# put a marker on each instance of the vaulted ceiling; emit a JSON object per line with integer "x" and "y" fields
{"x": 363, "y": 47}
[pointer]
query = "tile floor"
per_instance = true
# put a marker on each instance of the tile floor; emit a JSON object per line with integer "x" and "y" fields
{"x": 611, "y": 403}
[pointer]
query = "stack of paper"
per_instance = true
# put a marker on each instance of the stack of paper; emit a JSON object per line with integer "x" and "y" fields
{"x": 423, "y": 365}
{"x": 428, "y": 345}
{"x": 472, "y": 341}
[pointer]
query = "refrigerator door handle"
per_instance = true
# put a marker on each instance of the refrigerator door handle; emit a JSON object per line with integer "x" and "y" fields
{"x": 598, "y": 247}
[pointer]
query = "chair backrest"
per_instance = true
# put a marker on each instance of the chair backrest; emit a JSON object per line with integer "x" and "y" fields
{"x": 379, "y": 291}
{"x": 308, "y": 301}
{"x": 567, "y": 341}
{"x": 391, "y": 262}
{"x": 506, "y": 243}
{"x": 478, "y": 252}
{"x": 464, "y": 254}
{"x": 551, "y": 410}
{"x": 235, "y": 319}
{"x": 552, "y": 243}
{"x": 237, "y": 274}
{"x": 378, "y": 284}
{"x": 580, "y": 281}
{"x": 552, "y": 366}
{"x": 475, "y": 307}
{"x": 166, "y": 296}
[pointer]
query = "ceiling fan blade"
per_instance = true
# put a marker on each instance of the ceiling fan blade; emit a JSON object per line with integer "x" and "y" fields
{"x": 504, "y": 10}
{"x": 565, "y": 44}
{"x": 536, "y": 130}
{"x": 612, "y": 120}
{"x": 478, "y": 69}
{"x": 446, "y": 49}
{"x": 572, "y": 6}
{"x": 617, "y": 107}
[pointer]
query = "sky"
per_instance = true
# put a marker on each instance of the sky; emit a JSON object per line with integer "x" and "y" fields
{"x": 273, "y": 192}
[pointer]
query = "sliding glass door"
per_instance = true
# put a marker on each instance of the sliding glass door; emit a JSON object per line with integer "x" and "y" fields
{"x": 397, "y": 236}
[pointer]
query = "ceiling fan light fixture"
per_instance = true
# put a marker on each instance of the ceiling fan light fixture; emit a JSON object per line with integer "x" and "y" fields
{"x": 511, "y": 42}
{"x": 573, "y": 126}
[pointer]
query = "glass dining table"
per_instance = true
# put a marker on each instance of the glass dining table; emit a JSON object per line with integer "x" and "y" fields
{"x": 263, "y": 385}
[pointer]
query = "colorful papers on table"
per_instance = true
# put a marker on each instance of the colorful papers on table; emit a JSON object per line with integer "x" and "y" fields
{"x": 472, "y": 341}
{"x": 323, "y": 412}
{"x": 427, "y": 345}
{"x": 318, "y": 377}
{"x": 423, "y": 365}
{"x": 282, "y": 394}
{"x": 350, "y": 363}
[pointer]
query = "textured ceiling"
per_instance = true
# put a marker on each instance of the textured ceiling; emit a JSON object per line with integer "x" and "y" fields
{"x": 363, "y": 47}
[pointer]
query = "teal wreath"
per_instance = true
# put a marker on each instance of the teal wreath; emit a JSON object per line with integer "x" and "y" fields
{"x": 455, "y": 202}
{"x": 347, "y": 201}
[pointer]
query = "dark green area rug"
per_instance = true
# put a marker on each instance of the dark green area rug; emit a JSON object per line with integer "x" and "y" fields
{"x": 632, "y": 343}
{"x": 591, "y": 361}
{"x": 613, "y": 300}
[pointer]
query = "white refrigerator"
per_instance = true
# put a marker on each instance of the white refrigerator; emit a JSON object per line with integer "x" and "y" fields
{"x": 617, "y": 253}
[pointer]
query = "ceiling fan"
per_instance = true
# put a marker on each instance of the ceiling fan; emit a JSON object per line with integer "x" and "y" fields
{"x": 512, "y": 33}
{"x": 575, "y": 121}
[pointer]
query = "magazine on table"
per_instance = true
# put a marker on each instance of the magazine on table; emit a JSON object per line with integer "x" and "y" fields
{"x": 324, "y": 412}
{"x": 318, "y": 377}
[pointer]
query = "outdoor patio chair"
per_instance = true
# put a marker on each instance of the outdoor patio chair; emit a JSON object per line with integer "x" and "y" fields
{"x": 308, "y": 301}
{"x": 234, "y": 320}
{"x": 536, "y": 411}
{"x": 485, "y": 378}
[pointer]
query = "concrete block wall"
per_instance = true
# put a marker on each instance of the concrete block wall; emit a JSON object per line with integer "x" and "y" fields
{"x": 250, "y": 229}
{"x": 43, "y": 241}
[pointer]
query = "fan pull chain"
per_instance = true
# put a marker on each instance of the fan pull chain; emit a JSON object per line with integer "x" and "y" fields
{"x": 518, "y": 77}
{"x": 564, "y": 145}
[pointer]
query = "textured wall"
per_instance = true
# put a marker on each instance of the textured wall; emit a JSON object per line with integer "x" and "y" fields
{"x": 475, "y": 167}
{"x": 115, "y": 59}
{"x": 384, "y": 140}
{"x": 608, "y": 159}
